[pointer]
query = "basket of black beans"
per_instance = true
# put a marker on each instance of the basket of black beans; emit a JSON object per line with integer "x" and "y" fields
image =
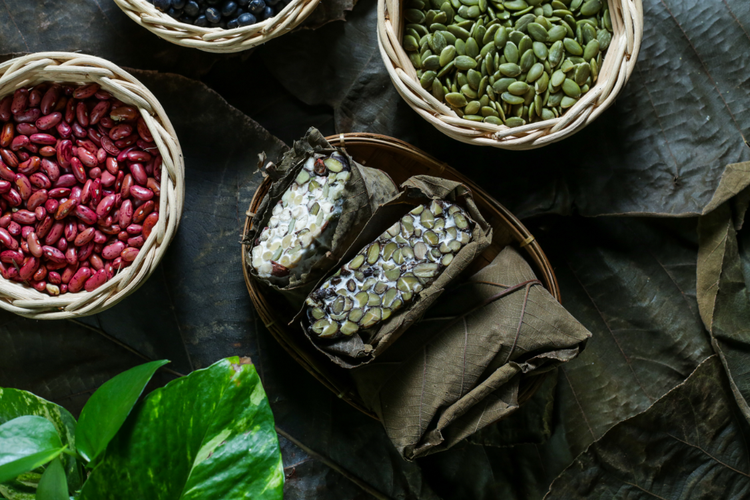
{"x": 218, "y": 25}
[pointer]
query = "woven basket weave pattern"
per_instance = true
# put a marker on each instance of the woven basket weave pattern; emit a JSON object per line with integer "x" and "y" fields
{"x": 627, "y": 24}
{"x": 78, "y": 68}
{"x": 216, "y": 39}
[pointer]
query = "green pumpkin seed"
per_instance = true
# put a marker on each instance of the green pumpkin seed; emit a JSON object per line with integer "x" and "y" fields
{"x": 535, "y": 73}
{"x": 572, "y": 46}
{"x": 538, "y": 32}
{"x": 410, "y": 44}
{"x": 540, "y": 51}
{"x": 556, "y": 53}
{"x": 431, "y": 63}
{"x": 541, "y": 85}
{"x": 469, "y": 92}
{"x": 588, "y": 32}
{"x": 489, "y": 35}
{"x": 511, "y": 99}
{"x": 592, "y": 50}
{"x": 465, "y": 62}
{"x": 523, "y": 22}
{"x": 414, "y": 16}
{"x": 427, "y": 78}
{"x": 416, "y": 60}
{"x": 460, "y": 47}
{"x": 605, "y": 38}
{"x": 515, "y": 5}
{"x": 502, "y": 84}
{"x": 488, "y": 111}
{"x": 567, "y": 102}
{"x": 576, "y": 4}
{"x": 455, "y": 99}
{"x": 447, "y": 55}
{"x": 509, "y": 69}
{"x": 583, "y": 71}
{"x": 511, "y": 52}
{"x": 472, "y": 108}
{"x": 501, "y": 37}
{"x": 556, "y": 33}
{"x": 594, "y": 70}
{"x": 528, "y": 59}
{"x": 518, "y": 88}
{"x": 448, "y": 68}
{"x": 458, "y": 32}
{"x": 525, "y": 44}
{"x": 607, "y": 20}
{"x": 555, "y": 99}
{"x": 547, "y": 114}
{"x": 558, "y": 77}
{"x": 591, "y": 7}
{"x": 516, "y": 36}
{"x": 515, "y": 122}
{"x": 472, "y": 48}
{"x": 438, "y": 42}
{"x": 494, "y": 120}
{"x": 571, "y": 88}
{"x": 449, "y": 10}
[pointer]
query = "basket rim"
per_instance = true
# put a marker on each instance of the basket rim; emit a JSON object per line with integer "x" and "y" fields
{"x": 325, "y": 374}
{"x": 219, "y": 40}
{"x": 76, "y": 68}
{"x": 627, "y": 38}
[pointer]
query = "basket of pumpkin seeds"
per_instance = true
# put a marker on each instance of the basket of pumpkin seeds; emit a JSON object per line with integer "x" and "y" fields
{"x": 513, "y": 74}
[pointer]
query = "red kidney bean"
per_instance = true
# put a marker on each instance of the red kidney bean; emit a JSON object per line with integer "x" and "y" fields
{"x": 54, "y": 277}
{"x": 99, "y": 237}
{"x": 99, "y": 111}
{"x": 79, "y": 172}
{"x": 96, "y": 262}
{"x": 49, "y": 101}
{"x": 125, "y": 213}
{"x": 26, "y": 129}
{"x": 85, "y": 251}
{"x": 64, "y": 152}
{"x": 85, "y": 214}
{"x": 118, "y": 182}
{"x": 128, "y": 141}
{"x": 44, "y": 226}
{"x": 78, "y": 130}
{"x": 51, "y": 205}
{"x": 95, "y": 281}
{"x": 127, "y": 183}
{"x": 6, "y": 173}
{"x": 87, "y": 157}
{"x": 105, "y": 206}
{"x": 53, "y": 254}
{"x": 113, "y": 251}
{"x": 86, "y": 91}
{"x": 37, "y": 199}
{"x": 42, "y": 138}
{"x": 143, "y": 131}
{"x": 109, "y": 146}
{"x": 138, "y": 173}
{"x": 28, "y": 268}
{"x": 24, "y": 217}
{"x": 120, "y": 131}
{"x": 65, "y": 208}
{"x": 110, "y": 230}
{"x": 96, "y": 193}
{"x": 141, "y": 193}
{"x": 49, "y": 121}
{"x": 40, "y": 213}
{"x": 18, "y": 142}
{"x": 39, "y": 286}
{"x": 47, "y": 151}
{"x": 62, "y": 245}
{"x": 14, "y": 228}
{"x": 13, "y": 198}
{"x": 84, "y": 237}
{"x": 102, "y": 95}
{"x": 142, "y": 212}
{"x": 64, "y": 129}
{"x": 108, "y": 179}
{"x": 7, "y": 134}
{"x": 8, "y": 240}
{"x": 35, "y": 247}
{"x": 124, "y": 154}
{"x": 86, "y": 192}
{"x": 4, "y": 186}
{"x": 29, "y": 116}
{"x": 70, "y": 110}
{"x": 5, "y": 220}
{"x": 66, "y": 181}
{"x": 30, "y": 166}
{"x": 124, "y": 113}
{"x": 88, "y": 145}
{"x": 39, "y": 181}
{"x": 20, "y": 101}
{"x": 54, "y": 266}
{"x": 135, "y": 242}
{"x": 123, "y": 236}
{"x": 9, "y": 157}
{"x": 24, "y": 186}
{"x": 12, "y": 257}
{"x": 101, "y": 155}
{"x": 35, "y": 97}
{"x": 25, "y": 230}
{"x": 59, "y": 192}
{"x": 107, "y": 122}
{"x": 71, "y": 230}
{"x": 95, "y": 173}
{"x": 78, "y": 279}
{"x": 51, "y": 169}
{"x": 54, "y": 233}
{"x": 40, "y": 273}
{"x": 134, "y": 229}
{"x": 138, "y": 156}
{"x": 5, "y": 104}
{"x": 63, "y": 288}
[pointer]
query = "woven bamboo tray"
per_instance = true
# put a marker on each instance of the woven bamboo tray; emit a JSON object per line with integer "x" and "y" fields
{"x": 618, "y": 64}
{"x": 400, "y": 160}
{"x": 216, "y": 40}
{"x": 73, "y": 68}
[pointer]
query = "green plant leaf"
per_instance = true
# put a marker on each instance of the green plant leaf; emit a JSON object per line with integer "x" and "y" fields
{"x": 52, "y": 485}
{"x": 16, "y": 403}
{"x": 692, "y": 443}
{"x": 108, "y": 408}
{"x": 27, "y": 443}
{"x": 206, "y": 436}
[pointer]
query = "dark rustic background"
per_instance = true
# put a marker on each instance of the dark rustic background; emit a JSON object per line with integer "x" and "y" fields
{"x": 626, "y": 418}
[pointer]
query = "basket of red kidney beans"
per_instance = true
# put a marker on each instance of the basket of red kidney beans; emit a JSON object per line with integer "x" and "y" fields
{"x": 81, "y": 177}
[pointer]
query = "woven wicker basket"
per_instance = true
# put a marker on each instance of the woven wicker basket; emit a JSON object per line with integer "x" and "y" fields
{"x": 217, "y": 39}
{"x": 400, "y": 160}
{"x": 67, "y": 67}
{"x": 618, "y": 64}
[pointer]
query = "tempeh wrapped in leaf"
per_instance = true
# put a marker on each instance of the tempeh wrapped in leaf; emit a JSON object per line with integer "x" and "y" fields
{"x": 385, "y": 275}
{"x": 317, "y": 205}
{"x": 355, "y": 314}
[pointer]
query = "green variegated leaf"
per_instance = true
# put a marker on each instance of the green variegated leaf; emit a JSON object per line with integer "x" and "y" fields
{"x": 206, "y": 436}
{"x": 26, "y": 443}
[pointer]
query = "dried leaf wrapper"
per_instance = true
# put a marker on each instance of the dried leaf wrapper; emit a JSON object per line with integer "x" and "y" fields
{"x": 365, "y": 191}
{"x": 365, "y": 345}
{"x": 460, "y": 368}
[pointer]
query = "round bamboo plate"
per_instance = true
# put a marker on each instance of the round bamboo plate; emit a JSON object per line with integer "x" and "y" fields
{"x": 401, "y": 161}
{"x": 618, "y": 64}
{"x": 66, "y": 67}
{"x": 217, "y": 40}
